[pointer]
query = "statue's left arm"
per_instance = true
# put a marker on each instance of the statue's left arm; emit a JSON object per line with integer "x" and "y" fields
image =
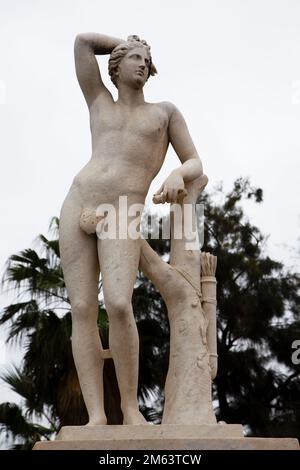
{"x": 173, "y": 187}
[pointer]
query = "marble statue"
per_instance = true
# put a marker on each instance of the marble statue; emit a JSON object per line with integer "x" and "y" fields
{"x": 100, "y": 233}
{"x": 130, "y": 138}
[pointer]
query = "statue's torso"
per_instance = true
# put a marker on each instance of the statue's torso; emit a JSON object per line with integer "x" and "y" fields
{"x": 128, "y": 149}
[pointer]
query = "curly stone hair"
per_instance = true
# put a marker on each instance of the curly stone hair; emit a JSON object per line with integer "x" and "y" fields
{"x": 121, "y": 50}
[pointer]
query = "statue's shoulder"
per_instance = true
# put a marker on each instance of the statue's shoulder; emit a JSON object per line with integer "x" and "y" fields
{"x": 167, "y": 107}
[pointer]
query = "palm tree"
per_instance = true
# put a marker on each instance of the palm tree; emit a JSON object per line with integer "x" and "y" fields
{"x": 19, "y": 428}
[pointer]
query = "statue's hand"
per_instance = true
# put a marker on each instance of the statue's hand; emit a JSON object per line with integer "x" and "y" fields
{"x": 172, "y": 190}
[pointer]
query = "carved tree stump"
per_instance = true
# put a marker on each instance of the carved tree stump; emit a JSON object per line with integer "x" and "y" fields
{"x": 192, "y": 362}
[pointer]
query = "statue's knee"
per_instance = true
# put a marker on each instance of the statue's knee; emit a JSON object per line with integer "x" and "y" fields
{"x": 118, "y": 309}
{"x": 83, "y": 309}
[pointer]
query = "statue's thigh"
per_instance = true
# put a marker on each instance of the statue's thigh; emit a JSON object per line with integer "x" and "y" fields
{"x": 119, "y": 261}
{"x": 78, "y": 252}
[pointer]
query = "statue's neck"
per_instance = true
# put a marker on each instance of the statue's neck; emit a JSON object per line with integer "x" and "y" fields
{"x": 130, "y": 96}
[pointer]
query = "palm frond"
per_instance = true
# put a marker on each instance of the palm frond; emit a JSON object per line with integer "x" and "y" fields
{"x": 12, "y": 421}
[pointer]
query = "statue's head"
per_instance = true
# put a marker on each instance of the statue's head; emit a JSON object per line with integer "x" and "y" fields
{"x": 131, "y": 63}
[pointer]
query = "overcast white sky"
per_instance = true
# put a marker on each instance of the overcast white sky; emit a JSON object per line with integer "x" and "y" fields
{"x": 232, "y": 67}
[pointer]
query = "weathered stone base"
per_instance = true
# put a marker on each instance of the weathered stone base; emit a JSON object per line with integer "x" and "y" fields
{"x": 162, "y": 437}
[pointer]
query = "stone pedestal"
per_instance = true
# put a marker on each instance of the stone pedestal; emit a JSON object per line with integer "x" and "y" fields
{"x": 162, "y": 437}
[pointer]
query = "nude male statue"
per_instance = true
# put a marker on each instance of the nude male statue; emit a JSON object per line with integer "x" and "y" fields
{"x": 130, "y": 138}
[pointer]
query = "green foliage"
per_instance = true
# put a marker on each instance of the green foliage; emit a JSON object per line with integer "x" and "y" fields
{"x": 17, "y": 427}
{"x": 258, "y": 319}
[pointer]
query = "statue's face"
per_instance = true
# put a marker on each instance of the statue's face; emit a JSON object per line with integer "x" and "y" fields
{"x": 133, "y": 69}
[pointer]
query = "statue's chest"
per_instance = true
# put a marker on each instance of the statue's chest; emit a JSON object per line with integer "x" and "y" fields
{"x": 138, "y": 124}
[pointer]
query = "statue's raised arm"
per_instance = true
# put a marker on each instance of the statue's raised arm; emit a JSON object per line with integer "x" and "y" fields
{"x": 86, "y": 46}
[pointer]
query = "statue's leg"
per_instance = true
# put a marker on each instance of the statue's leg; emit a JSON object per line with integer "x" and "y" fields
{"x": 119, "y": 261}
{"x": 80, "y": 266}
